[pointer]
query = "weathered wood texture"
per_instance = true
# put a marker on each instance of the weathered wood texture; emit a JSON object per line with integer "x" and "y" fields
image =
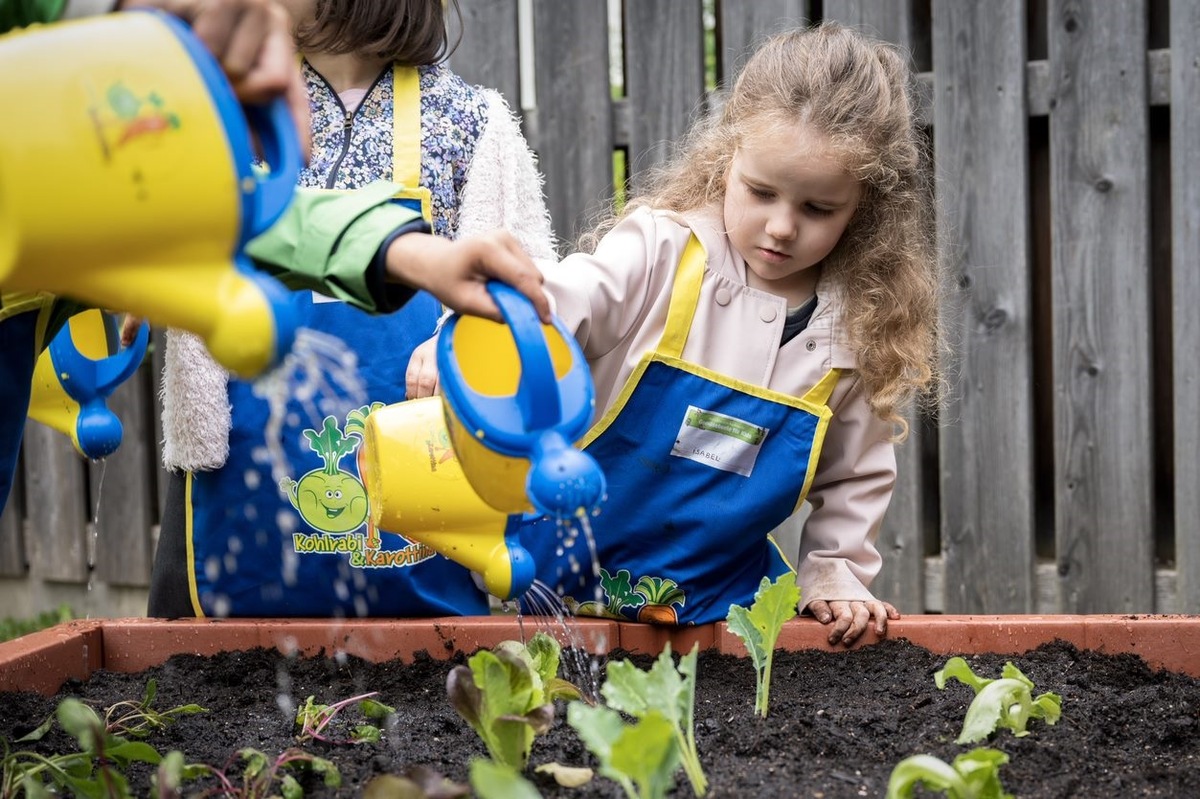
{"x": 987, "y": 524}
{"x": 1185, "y": 288}
{"x": 1061, "y": 475}
{"x": 1104, "y": 469}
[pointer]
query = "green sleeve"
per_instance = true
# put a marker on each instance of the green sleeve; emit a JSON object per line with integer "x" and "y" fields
{"x": 19, "y": 13}
{"x": 329, "y": 241}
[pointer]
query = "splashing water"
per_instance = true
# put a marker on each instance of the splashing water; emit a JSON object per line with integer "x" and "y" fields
{"x": 321, "y": 374}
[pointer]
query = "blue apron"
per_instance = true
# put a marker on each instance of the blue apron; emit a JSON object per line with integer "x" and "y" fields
{"x": 700, "y": 468}
{"x": 305, "y": 547}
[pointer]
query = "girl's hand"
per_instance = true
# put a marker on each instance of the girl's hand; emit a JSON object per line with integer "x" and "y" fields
{"x": 421, "y": 379}
{"x": 457, "y": 272}
{"x": 252, "y": 39}
{"x": 850, "y": 618}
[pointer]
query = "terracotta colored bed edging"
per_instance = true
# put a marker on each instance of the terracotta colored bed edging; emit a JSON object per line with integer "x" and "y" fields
{"x": 43, "y": 661}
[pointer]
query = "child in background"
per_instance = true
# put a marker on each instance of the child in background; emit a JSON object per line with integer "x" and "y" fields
{"x": 234, "y": 541}
{"x": 755, "y": 322}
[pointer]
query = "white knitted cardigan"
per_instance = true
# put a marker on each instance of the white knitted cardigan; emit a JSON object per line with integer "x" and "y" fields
{"x": 503, "y": 190}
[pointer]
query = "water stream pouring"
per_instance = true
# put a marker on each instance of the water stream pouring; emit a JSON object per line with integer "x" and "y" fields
{"x": 515, "y": 399}
{"x": 132, "y": 187}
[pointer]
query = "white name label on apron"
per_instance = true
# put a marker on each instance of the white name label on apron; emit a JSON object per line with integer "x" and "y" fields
{"x": 719, "y": 441}
{"x": 318, "y": 297}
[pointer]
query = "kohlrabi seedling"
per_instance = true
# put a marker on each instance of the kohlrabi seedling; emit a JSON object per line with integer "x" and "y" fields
{"x": 507, "y": 695}
{"x": 1006, "y": 702}
{"x": 973, "y": 775}
{"x": 758, "y": 627}
{"x": 664, "y": 691}
{"x": 641, "y": 756}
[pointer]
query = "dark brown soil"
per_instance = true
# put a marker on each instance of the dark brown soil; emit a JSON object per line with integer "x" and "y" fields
{"x": 838, "y": 723}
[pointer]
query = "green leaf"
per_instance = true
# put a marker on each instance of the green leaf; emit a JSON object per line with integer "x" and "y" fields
{"x": 37, "y": 733}
{"x": 328, "y": 771}
{"x": 134, "y": 751}
{"x": 500, "y": 781}
{"x": 932, "y": 772}
{"x": 957, "y": 668}
{"x": 759, "y": 627}
{"x": 645, "y": 753}
{"x": 366, "y": 734}
{"x": 81, "y": 722}
{"x": 290, "y": 788}
{"x": 544, "y": 655}
{"x": 980, "y": 769}
{"x": 567, "y": 776}
{"x": 375, "y": 710}
{"x": 1004, "y": 702}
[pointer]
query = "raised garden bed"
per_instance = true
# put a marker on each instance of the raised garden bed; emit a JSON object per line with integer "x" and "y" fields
{"x": 839, "y": 720}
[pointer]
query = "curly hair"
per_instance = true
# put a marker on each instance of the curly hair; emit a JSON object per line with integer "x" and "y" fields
{"x": 857, "y": 92}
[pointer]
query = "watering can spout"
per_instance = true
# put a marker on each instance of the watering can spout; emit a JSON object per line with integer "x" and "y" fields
{"x": 563, "y": 481}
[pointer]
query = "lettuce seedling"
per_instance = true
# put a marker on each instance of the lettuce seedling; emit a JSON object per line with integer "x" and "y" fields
{"x": 641, "y": 757}
{"x": 759, "y": 627}
{"x": 973, "y": 775}
{"x": 1005, "y": 702}
{"x": 665, "y": 691}
{"x": 507, "y": 695}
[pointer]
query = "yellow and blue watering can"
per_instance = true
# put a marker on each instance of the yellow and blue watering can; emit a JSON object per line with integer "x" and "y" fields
{"x": 77, "y": 372}
{"x": 447, "y": 473}
{"x": 131, "y": 183}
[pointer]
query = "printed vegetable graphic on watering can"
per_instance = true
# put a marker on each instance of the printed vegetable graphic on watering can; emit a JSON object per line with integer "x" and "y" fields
{"x": 515, "y": 399}
{"x": 136, "y": 189}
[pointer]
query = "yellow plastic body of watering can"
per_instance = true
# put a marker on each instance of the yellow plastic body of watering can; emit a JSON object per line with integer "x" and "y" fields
{"x": 75, "y": 375}
{"x": 131, "y": 184}
{"x": 417, "y": 488}
{"x": 516, "y": 397}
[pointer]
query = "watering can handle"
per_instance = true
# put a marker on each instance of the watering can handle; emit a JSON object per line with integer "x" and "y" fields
{"x": 537, "y": 392}
{"x": 281, "y": 149}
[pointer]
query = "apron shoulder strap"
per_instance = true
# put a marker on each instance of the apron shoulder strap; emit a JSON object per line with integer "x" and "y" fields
{"x": 823, "y": 390}
{"x": 685, "y": 293}
{"x": 406, "y": 140}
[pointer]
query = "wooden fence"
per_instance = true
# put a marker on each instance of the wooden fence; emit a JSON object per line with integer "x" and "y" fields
{"x": 1062, "y": 472}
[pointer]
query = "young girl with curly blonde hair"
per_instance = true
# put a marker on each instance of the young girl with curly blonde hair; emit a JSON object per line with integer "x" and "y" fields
{"x": 756, "y": 322}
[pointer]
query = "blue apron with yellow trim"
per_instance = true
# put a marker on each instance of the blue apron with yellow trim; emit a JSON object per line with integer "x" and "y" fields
{"x": 700, "y": 469}
{"x": 302, "y": 545}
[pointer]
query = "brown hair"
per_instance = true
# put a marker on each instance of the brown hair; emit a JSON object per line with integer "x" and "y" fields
{"x": 858, "y": 92}
{"x": 408, "y": 32}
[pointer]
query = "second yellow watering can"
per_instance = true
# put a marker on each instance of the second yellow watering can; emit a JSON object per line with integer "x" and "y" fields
{"x": 516, "y": 398}
{"x": 129, "y": 183}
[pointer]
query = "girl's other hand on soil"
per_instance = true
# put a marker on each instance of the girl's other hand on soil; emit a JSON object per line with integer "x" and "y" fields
{"x": 850, "y": 618}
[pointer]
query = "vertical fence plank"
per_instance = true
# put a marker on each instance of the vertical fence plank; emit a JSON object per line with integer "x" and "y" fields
{"x": 742, "y": 23}
{"x": 664, "y": 76}
{"x": 983, "y": 228}
{"x": 123, "y": 487}
{"x": 56, "y": 501}
{"x": 1185, "y": 288}
{"x": 901, "y": 539}
{"x": 1101, "y": 302}
{"x": 487, "y": 54}
{"x": 574, "y": 110}
{"x": 12, "y": 538}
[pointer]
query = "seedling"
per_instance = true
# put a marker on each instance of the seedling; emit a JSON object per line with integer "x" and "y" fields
{"x": 759, "y": 627}
{"x": 507, "y": 695}
{"x": 492, "y": 780}
{"x": 314, "y": 718}
{"x": 1006, "y": 702}
{"x": 138, "y": 719}
{"x": 97, "y": 769}
{"x": 973, "y": 775}
{"x": 665, "y": 692}
{"x": 264, "y": 777}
